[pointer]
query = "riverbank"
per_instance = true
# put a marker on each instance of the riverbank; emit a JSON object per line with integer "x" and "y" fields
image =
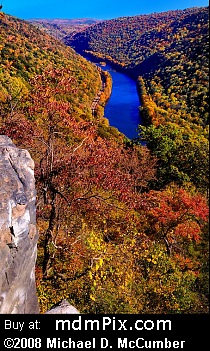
{"x": 103, "y": 95}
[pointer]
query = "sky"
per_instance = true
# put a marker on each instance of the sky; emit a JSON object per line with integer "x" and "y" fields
{"x": 98, "y": 9}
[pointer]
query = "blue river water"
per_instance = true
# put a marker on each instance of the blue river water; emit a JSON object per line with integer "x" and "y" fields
{"x": 122, "y": 108}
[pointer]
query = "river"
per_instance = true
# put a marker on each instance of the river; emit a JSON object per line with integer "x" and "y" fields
{"x": 122, "y": 108}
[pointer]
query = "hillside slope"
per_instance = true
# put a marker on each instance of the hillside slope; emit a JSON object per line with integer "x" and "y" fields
{"x": 129, "y": 41}
{"x": 168, "y": 54}
{"x": 26, "y": 51}
{"x": 60, "y": 28}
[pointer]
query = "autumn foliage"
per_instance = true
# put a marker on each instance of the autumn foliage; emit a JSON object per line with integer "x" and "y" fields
{"x": 123, "y": 227}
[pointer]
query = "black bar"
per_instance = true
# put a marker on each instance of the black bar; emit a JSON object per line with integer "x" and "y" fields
{"x": 100, "y": 332}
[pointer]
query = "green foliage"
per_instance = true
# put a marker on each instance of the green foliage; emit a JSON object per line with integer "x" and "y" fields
{"x": 182, "y": 154}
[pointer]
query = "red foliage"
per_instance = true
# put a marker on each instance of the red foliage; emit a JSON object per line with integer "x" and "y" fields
{"x": 176, "y": 212}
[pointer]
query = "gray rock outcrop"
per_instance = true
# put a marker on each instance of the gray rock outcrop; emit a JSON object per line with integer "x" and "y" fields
{"x": 19, "y": 235}
{"x": 63, "y": 307}
{"x": 18, "y": 232}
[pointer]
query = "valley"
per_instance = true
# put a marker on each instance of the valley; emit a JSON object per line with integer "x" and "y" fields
{"x": 123, "y": 224}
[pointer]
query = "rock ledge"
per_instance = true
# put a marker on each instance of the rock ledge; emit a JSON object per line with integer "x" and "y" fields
{"x": 18, "y": 231}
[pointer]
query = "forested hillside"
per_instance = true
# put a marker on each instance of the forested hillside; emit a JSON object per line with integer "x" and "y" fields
{"x": 119, "y": 233}
{"x": 26, "y": 52}
{"x": 168, "y": 53}
{"x": 60, "y": 28}
{"x": 128, "y": 41}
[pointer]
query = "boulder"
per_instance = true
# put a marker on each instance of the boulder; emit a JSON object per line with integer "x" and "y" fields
{"x": 63, "y": 307}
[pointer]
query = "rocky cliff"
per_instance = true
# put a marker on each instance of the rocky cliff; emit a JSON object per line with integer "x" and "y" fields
{"x": 18, "y": 232}
{"x": 19, "y": 235}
